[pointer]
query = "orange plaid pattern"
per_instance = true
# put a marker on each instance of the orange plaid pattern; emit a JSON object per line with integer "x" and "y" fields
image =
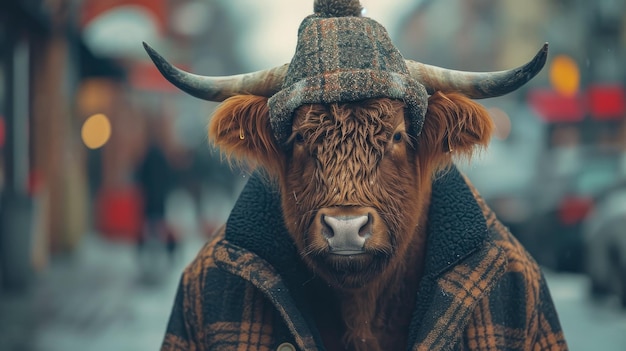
{"x": 487, "y": 294}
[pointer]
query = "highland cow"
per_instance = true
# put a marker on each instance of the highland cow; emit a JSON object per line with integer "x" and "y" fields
{"x": 357, "y": 232}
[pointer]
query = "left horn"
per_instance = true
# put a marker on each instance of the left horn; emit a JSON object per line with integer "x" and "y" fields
{"x": 262, "y": 83}
{"x": 477, "y": 85}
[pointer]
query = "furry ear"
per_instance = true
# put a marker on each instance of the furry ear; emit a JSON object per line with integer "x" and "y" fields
{"x": 454, "y": 124}
{"x": 240, "y": 128}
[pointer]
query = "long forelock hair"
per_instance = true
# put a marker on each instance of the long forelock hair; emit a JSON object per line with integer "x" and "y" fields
{"x": 347, "y": 142}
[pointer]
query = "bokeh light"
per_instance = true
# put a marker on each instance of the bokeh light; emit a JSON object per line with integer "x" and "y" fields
{"x": 96, "y": 131}
{"x": 565, "y": 75}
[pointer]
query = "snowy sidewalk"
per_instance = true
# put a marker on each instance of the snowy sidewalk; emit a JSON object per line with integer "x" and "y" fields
{"x": 94, "y": 300}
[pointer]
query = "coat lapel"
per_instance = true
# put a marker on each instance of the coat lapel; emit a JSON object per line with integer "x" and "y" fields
{"x": 456, "y": 294}
{"x": 258, "y": 248}
{"x": 263, "y": 276}
{"x": 461, "y": 265}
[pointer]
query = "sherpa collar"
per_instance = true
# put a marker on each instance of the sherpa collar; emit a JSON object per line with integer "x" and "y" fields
{"x": 456, "y": 225}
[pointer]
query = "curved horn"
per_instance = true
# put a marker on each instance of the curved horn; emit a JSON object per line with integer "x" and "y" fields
{"x": 262, "y": 83}
{"x": 477, "y": 85}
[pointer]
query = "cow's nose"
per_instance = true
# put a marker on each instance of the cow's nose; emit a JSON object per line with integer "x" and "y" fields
{"x": 346, "y": 235}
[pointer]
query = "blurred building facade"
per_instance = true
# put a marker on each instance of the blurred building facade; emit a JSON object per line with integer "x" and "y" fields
{"x": 491, "y": 35}
{"x": 76, "y": 96}
{"x": 42, "y": 209}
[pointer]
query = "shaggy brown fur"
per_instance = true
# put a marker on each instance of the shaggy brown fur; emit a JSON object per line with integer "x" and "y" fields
{"x": 240, "y": 128}
{"x": 355, "y": 158}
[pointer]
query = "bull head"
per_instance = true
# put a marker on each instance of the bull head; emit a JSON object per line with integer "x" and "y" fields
{"x": 353, "y": 142}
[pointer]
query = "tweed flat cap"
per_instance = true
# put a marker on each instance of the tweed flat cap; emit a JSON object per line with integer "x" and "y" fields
{"x": 343, "y": 57}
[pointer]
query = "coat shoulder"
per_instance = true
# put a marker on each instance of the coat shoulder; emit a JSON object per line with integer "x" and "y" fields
{"x": 216, "y": 308}
{"x": 205, "y": 279}
{"x": 204, "y": 260}
{"x": 499, "y": 234}
{"x": 520, "y": 308}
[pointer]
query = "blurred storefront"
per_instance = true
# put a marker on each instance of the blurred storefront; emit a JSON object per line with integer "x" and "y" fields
{"x": 586, "y": 91}
{"x": 584, "y": 80}
{"x": 77, "y": 95}
{"x": 41, "y": 168}
{"x": 46, "y": 66}
{"x": 114, "y": 29}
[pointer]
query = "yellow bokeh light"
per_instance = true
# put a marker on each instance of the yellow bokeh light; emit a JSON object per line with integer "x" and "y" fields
{"x": 96, "y": 131}
{"x": 564, "y": 75}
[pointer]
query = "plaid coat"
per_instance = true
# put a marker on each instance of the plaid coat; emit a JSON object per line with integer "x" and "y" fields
{"x": 480, "y": 290}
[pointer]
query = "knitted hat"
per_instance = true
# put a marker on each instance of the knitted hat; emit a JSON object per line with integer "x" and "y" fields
{"x": 343, "y": 57}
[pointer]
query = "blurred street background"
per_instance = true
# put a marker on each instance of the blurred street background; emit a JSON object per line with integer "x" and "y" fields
{"x": 109, "y": 187}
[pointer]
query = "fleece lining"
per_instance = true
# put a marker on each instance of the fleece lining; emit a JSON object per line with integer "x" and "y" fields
{"x": 456, "y": 225}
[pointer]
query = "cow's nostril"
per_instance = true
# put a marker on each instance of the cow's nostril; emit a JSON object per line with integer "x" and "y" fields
{"x": 366, "y": 229}
{"x": 327, "y": 230}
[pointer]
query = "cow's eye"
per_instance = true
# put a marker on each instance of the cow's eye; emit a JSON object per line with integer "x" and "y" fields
{"x": 299, "y": 138}
{"x": 397, "y": 137}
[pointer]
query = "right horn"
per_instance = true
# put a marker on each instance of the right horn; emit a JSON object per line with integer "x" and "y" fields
{"x": 262, "y": 83}
{"x": 477, "y": 85}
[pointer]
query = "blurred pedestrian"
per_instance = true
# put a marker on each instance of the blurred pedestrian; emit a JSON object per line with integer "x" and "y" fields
{"x": 155, "y": 177}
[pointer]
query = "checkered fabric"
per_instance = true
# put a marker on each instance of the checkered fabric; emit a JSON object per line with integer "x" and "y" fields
{"x": 480, "y": 291}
